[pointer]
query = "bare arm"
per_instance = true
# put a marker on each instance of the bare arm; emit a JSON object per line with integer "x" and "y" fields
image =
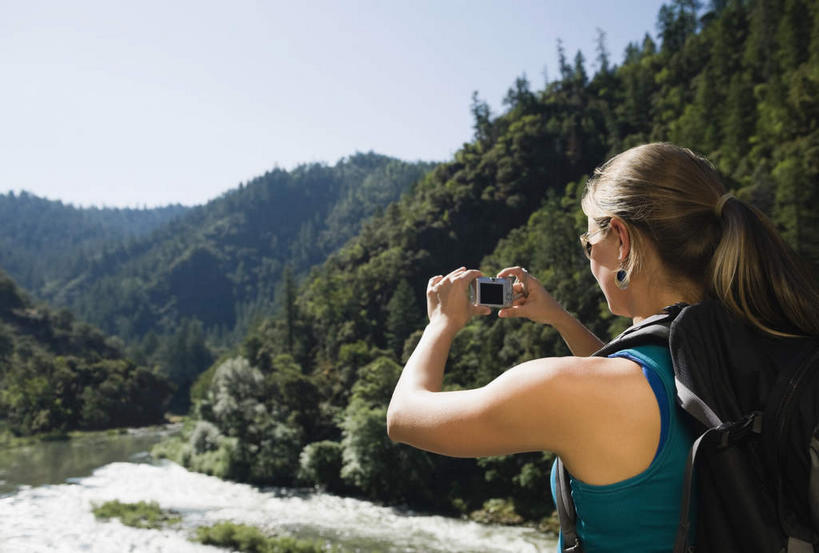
{"x": 581, "y": 341}
{"x": 536, "y": 304}
{"x": 599, "y": 414}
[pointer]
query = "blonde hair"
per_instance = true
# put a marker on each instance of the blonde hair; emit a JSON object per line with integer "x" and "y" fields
{"x": 674, "y": 199}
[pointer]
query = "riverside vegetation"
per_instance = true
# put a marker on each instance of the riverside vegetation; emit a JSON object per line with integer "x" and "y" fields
{"x": 299, "y": 397}
{"x": 229, "y": 535}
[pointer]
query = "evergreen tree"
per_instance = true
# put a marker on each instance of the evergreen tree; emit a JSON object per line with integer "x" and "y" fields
{"x": 563, "y": 65}
{"x": 482, "y": 118}
{"x": 602, "y": 52}
{"x": 402, "y": 316}
{"x": 794, "y": 34}
{"x": 580, "y": 77}
{"x": 289, "y": 300}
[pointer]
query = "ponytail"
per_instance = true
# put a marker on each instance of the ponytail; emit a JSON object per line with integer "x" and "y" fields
{"x": 674, "y": 199}
{"x": 757, "y": 276}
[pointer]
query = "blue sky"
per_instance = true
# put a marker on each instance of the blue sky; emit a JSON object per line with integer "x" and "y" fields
{"x": 149, "y": 103}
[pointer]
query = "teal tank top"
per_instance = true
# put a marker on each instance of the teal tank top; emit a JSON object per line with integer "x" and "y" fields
{"x": 639, "y": 514}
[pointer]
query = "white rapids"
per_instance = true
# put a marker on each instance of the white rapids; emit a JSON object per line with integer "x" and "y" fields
{"x": 58, "y": 518}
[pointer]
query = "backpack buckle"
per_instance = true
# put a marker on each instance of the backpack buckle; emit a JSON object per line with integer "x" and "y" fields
{"x": 731, "y": 432}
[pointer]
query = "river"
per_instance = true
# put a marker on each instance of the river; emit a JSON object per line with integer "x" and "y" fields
{"x": 49, "y": 489}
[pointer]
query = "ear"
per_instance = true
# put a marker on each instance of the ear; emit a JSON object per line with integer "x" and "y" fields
{"x": 623, "y": 235}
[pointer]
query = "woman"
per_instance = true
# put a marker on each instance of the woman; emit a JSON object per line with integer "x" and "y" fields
{"x": 661, "y": 230}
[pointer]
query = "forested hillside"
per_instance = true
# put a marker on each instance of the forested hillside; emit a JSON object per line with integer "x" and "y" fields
{"x": 42, "y": 241}
{"x": 197, "y": 282}
{"x": 58, "y": 374}
{"x": 305, "y": 397}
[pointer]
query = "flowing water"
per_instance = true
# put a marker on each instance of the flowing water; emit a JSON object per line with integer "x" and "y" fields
{"x": 51, "y": 487}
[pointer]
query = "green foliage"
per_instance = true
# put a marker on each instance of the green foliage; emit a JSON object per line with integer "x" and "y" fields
{"x": 381, "y": 469}
{"x": 523, "y": 479}
{"x": 376, "y": 381}
{"x": 497, "y": 511}
{"x": 200, "y": 386}
{"x": 403, "y": 316}
{"x": 58, "y": 374}
{"x": 138, "y": 515}
{"x": 171, "y": 448}
{"x": 42, "y": 240}
{"x": 194, "y": 286}
{"x": 320, "y": 465}
{"x": 249, "y": 539}
{"x": 253, "y": 426}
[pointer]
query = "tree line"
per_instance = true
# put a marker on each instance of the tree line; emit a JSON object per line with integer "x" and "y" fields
{"x": 59, "y": 374}
{"x": 180, "y": 285}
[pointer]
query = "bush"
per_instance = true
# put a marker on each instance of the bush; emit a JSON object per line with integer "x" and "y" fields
{"x": 205, "y": 437}
{"x": 376, "y": 381}
{"x": 382, "y": 469}
{"x": 524, "y": 477}
{"x": 138, "y": 515}
{"x": 249, "y": 539}
{"x": 221, "y": 462}
{"x": 320, "y": 465}
{"x": 235, "y": 395}
{"x": 170, "y": 448}
{"x": 273, "y": 457}
{"x": 497, "y": 511}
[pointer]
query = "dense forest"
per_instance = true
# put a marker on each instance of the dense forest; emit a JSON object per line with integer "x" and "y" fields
{"x": 340, "y": 257}
{"x": 43, "y": 241}
{"x": 180, "y": 294}
{"x": 57, "y": 373}
{"x": 304, "y": 398}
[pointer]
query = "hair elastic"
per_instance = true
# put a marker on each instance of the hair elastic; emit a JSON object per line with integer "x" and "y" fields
{"x": 721, "y": 203}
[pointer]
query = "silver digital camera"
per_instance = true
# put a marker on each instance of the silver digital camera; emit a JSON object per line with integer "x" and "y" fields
{"x": 493, "y": 291}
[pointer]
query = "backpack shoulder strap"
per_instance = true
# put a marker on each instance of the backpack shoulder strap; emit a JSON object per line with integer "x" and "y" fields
{"x": 565, "y": 510}
{"x": 653, "y": 330}
{"x": 813, "y": 479}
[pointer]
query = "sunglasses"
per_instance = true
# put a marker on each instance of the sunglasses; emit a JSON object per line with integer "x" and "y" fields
{"x": 584, "y": 238}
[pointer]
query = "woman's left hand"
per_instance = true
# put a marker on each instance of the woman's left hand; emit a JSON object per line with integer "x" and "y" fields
{"x": 448, "y": 299}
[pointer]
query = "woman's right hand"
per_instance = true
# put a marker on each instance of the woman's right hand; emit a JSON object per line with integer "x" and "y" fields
{"x": 533, "y": 301}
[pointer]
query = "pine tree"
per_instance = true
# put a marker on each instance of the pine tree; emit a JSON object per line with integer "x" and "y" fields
{"x": 602, "y": 52}
{"x": 402, "y": 316}
{"x": 289, "y": 300}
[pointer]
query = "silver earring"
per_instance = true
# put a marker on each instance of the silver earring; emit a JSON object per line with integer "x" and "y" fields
{"x": 622, "y": 279}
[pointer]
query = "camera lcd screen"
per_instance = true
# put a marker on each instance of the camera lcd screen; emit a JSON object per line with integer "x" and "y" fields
{"x": 491, "y": 293}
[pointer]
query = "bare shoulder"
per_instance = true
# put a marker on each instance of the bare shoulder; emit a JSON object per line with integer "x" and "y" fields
{"x": 566, "y": 379}
{"x": 604, "y": 419}
{"x": 563, "y": 398}
{"x": 575, "y": 406}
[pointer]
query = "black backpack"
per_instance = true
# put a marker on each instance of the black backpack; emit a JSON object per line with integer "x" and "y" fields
{"x": 755, "y": 399}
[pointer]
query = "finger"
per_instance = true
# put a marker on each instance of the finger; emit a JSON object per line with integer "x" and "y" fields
{"x": 455, "y": 272}
{"x": 511, "y": 312}
{"x": 432, "y": 284}
{"x": 481, "y": 310}
{"x": 469, "y": 275}
{"x": 513, "y": 271}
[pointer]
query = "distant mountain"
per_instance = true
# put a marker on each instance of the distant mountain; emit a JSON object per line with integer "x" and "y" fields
{"x": 175, "y": 283}
{"x": 59, "y": 374}
{"x": 222, "y": 260}
{"x": 43, "y": 240}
